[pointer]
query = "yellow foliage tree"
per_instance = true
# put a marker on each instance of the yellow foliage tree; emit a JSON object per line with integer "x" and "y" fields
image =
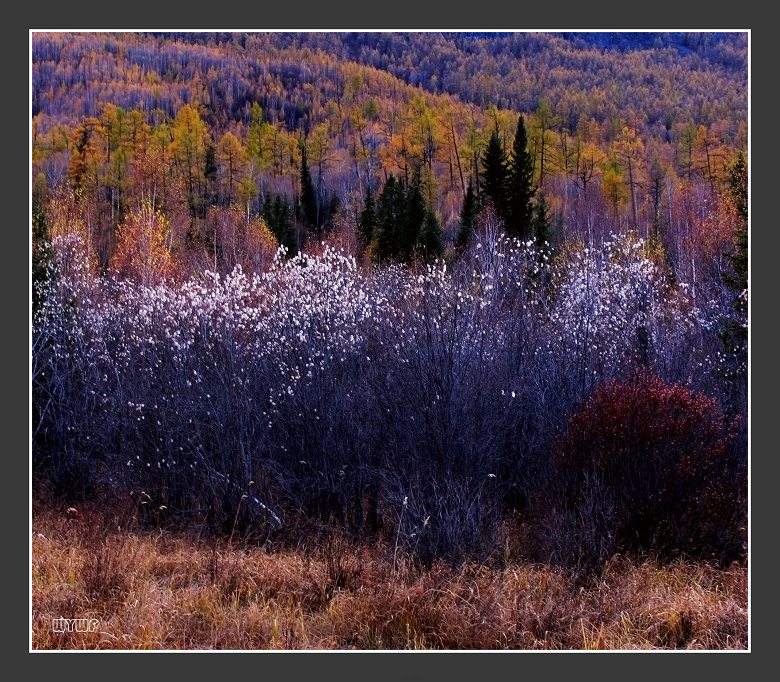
{"x": 232, "y": 161}
{"x": 629, "y": 150}
{"x": 142, "y": 249}
{"x": 188, "y": 148}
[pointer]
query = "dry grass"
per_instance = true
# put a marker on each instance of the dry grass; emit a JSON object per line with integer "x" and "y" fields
{"x": 166, "y": 591}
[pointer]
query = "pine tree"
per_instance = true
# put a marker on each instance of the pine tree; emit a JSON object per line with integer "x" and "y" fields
{"x": 541, "y": 226}
{"x": 495, "y": 177}
{"x": 309, "y": 204}
{"x": 521, "y": 172}
{"x": 738, "y": 195}
{"x": 413, "y": 218}
{"x": 390, "y": 212}
{"x": 735, "y": 330}
{"x": 278, "y": 217}
{"x": 430, "y": 240}
{"x": 468, "y": 219}
{"x": 41, "y": 253}
{"x": 368, "y": 220}
{"x": 541, "y": 223}
{"x": 330, "y": 210}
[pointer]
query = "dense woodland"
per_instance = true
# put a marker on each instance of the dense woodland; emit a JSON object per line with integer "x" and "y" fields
{"x": 409, "y": 284}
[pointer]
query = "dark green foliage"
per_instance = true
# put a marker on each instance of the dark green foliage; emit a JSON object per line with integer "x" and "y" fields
{"x": 309, "y": 206}
{"x": 495, "y": 178}
{"x": 400, "y": 221}
{"x": 468, "y": 219}
{"x": 389, "y": 216}
{"x": 414, "y": 217}
{"x": 735, "y": 332}
{"x": 430, "y": 241}
{"x": 368, "y": 220}
{"x": 541, "y": 224}
{"x": 521, "y": 172}
{"x": 738, "y": 194}
{"x": 41, "y": 253}
{"x": 330, "y": 210}
{"x": 278, "y": 215}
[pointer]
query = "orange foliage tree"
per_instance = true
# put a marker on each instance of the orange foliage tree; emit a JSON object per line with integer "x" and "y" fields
{"x": 143, "y": 246}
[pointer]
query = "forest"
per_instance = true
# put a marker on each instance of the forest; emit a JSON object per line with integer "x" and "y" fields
{"x": 410, "y": 312}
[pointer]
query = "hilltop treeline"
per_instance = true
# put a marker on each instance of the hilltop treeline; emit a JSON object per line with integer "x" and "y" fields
{"x": 223, "y": 133}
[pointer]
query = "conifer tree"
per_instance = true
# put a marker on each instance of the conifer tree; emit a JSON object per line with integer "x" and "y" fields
{"x": 495, "y": 177}
{"x": 309, "y": 205}
{"x": 541, "y": 223}
{"x": 738, "y": 195}
{"x": 521, "y": 172}
{"x": 413, "y": 219}
{"x": 468, "y": 219}
{"x": 368, "y": 220}
{"x": 390, "y": 212}
{"x": 430, "y": 241}
{"x": 735, "y": 332}
{"x": 41, "y": 253}
{"x": 278, "y": 217}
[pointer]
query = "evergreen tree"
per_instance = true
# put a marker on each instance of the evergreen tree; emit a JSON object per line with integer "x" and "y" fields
{"x": 399, "y": 221}
{"x": 41, "y": 253}
{"x": 521, "y": 172}
{"x": 541, "y": 226}
{"x": 430, "y": 240}
{"x": 495, "y": 177}
{"x": 738, "y": 195}
{"x": 278, "y": 216}
{"x": 368, "y": 220}
{"x": 390, "y": 212}
{"x": 309, "y": 205}
{"x": 735, "y": 332}
{"x": 413, "y": 218}
{"x": 541, "y": 223}
{"x": 332, "y": 209}
{"x": 468, "y": 219}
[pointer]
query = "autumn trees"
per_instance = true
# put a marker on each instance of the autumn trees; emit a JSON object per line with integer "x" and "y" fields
{"x": 142, "y": 250}
{"x": 515, "y": 71}
{"x": 303, "y": 183}
{"x": 596, "y": 180}
{"x": 222, "y": 147}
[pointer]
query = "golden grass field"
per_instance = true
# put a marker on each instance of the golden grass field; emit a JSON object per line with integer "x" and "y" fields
{"x": 164, "y": 590}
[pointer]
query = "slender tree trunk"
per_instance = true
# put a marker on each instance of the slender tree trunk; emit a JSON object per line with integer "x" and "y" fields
{"x": 457, "y": 159}
{"x": 633, "y": 192}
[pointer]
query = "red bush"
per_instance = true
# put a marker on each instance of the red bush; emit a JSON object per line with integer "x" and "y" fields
{"x": 659, "y": 453}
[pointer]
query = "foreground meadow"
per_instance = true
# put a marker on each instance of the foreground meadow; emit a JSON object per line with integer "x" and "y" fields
{"x": 163, "y": 590}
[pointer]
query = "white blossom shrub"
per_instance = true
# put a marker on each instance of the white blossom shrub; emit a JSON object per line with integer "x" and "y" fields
{"x": 422, "y": 400}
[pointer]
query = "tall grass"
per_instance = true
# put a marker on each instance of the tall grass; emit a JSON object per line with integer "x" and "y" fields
{"x": 161, "y": 590}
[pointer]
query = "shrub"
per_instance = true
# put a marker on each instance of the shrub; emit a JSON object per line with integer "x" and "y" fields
{"x": 317, "y": 389}
{"x": 649, "y": 461}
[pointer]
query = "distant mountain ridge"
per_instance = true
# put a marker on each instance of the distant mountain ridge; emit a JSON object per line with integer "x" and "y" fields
{"x": 657, "y": 80}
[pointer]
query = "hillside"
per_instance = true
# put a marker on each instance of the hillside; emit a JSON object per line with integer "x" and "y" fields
{"x": 604, "y": 111}
{"x": 663, "y": 78}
